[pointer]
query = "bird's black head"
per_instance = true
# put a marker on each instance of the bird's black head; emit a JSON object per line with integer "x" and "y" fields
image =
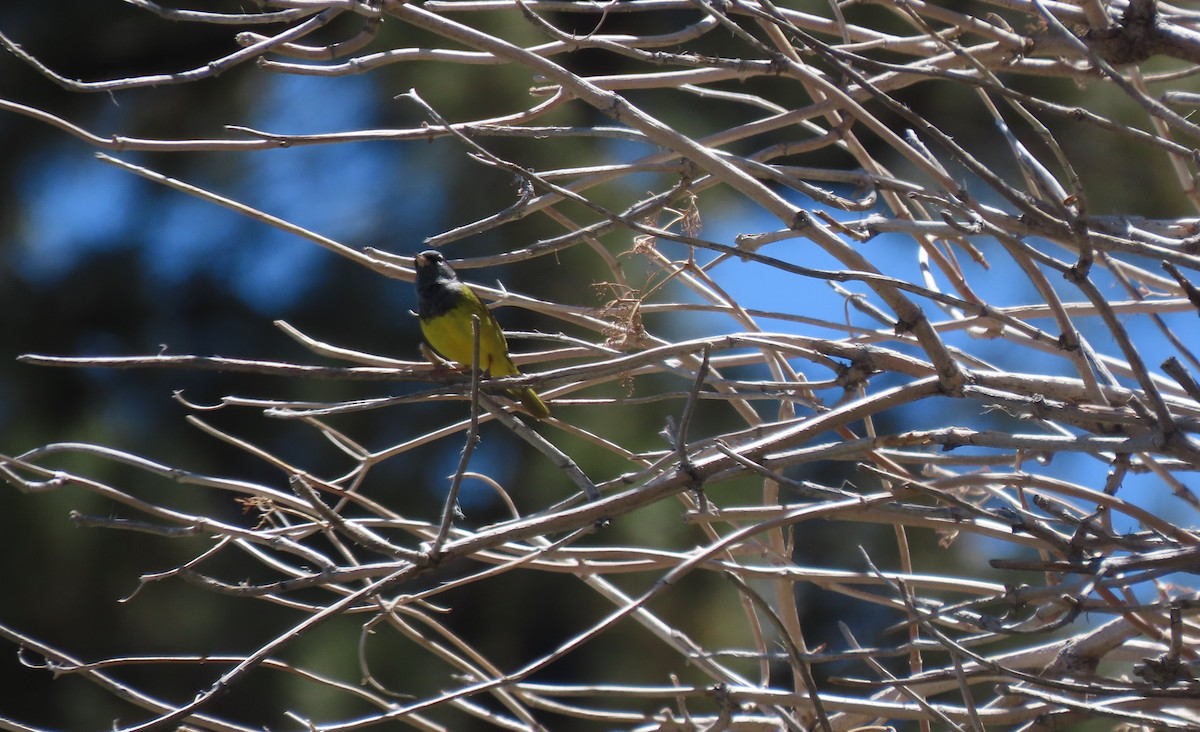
{"x": 438, "y": 288}
{"x": 431, "y": 267}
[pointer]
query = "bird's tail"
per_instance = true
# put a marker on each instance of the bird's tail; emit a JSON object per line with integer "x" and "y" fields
{"x": 533, "y": 403}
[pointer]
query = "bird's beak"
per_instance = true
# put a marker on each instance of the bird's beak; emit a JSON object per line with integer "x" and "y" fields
{"x": 420, "y": 260}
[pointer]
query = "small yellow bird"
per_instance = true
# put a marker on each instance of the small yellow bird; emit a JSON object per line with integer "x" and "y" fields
{"x": 445, "y": 306}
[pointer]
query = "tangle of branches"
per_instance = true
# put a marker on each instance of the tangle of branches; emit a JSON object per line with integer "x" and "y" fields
{"x": 996, "y": 328}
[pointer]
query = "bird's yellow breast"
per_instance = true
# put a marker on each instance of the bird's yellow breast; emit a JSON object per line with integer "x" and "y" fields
{"x": 450, "y": 335}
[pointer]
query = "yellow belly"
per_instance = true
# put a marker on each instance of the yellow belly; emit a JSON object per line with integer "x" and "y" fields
{"x": 450, "y": 335}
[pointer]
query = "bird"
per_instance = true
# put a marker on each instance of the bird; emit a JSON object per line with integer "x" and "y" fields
{"x": 444, "y": 308}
